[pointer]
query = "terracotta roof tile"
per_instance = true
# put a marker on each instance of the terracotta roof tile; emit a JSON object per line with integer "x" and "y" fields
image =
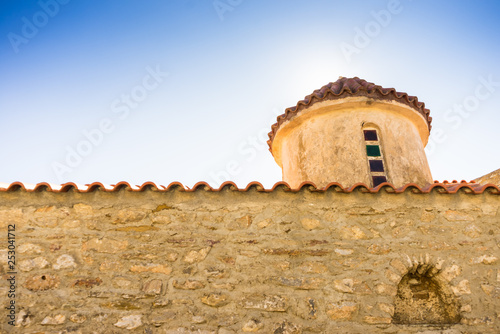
{"x": 346, "y": 87}
{"x": 441, "y": 187}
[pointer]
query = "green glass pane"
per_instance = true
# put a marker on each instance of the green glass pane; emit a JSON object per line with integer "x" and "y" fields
{"x": 373, "y": 150}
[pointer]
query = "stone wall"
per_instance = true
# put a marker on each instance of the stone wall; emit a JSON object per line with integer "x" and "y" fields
{"x": 252, "y": 261}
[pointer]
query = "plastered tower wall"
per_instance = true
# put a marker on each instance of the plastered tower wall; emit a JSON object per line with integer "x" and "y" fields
{"x": 234, "y": 261}
{"x": 353, "y": 131}
{"x": 325, "y": 143}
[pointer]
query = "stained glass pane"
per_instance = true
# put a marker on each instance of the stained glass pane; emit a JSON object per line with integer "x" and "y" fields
{"x": 376, "y": 166}
{"x": 370, "y": 134}
{"x": 378, "y": 180}
{"x": 373, "y": 150}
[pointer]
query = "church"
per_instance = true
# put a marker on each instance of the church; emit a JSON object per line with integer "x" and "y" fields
{"x": 357, "y": 238}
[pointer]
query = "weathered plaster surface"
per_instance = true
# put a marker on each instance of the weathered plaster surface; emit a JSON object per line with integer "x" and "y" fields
{"x": 493, "y": 177}
{"x": 325, "y": 143}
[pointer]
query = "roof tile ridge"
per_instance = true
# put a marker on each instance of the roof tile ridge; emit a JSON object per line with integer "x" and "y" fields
{"x": 359, "y": 185}
{"x": 45, "y": 186}
{"x": 334, "y": 185}
{"x": 148, "y": 185}
{"x": 386, "y": 186}
{"x": 412, "y": 186}
{"x": 280, "y": 184}
{"x": 307, "y": 185}
{"x": 254, "y": 184}
{"x": 487, "y": 186}
{"x": 439, "y": 187}
{"x": 174, "y": 186}
{"x": 201, "y": 184}
{"x": 14, "y": 186}
{"x": 65, "y": 187}
{"x": 94, "y": 186}
{"x": 122, "y": 185}
{"x": 229, "y": 185}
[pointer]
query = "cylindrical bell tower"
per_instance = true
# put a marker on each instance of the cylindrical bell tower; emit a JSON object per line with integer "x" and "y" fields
{"x": 352, "y": 131}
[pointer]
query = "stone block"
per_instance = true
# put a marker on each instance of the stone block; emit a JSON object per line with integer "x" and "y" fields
{"x": 87, "y": 282}
{"x": 303, "y": 283}
{"x": 132, "y": 321}
{"x": 453, "y": 215}
{"x": 313, "y": 268}
{"x": 252, "y": 326}
{"x": 386, "y": 289}
{"x": 151, "y": 267}
{"x": 377, "y": 320}
{"x": 197, "y": 256}
{"x": 152, "y": 287}
{"x": 77, "y": 318}
{"x": 462, "y": 288}
{"x": 344, "y": 285}
{"x": 215, "y": 299}
{"x": 29, "y": 248}
{"x": 343, "y": 311}
{"x": 188, "y": 285}
{"x": 270, "y": 303}
{"x": 310, "y": 224}
{"x": 379, "y": 249}
{"x": 105, "y": 245}
{"x": 42, "y": 282}
{"x": 129, "y": 216}
{"x": 64, "y": 261}
{"x": 58, "y": 319}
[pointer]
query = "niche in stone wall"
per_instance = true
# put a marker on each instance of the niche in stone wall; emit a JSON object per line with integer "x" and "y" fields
{"x": 422, "y": 299}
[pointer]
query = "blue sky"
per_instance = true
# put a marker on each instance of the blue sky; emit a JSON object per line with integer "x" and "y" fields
{"x": 185, "y": 90}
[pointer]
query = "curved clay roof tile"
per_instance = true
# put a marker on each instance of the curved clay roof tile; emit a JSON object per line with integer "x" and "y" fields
{"x": 445, "y": 187}
{"x": 344, "y": 87}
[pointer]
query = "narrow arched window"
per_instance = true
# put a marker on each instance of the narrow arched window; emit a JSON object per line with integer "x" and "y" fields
{"x": 374, "y": 155}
